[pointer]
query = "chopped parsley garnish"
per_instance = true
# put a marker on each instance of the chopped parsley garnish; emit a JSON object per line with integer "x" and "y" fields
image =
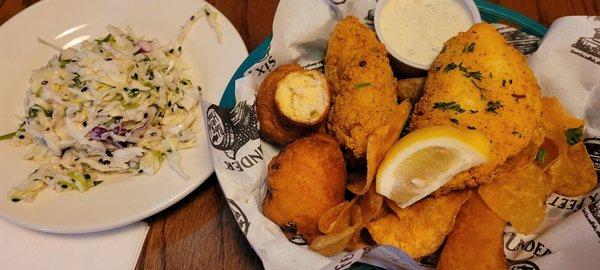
{"x": 469, "y": 48}
{"x": 574, "y": 135}
{"x": 541, "y": 155}
{"x": 7, "y": 136}
{"x": 492, "y": 106}
{"x": 474, "y": 74}
{"x": 361, "y": 85}
{"x": 77, "y": 83}
{"x": 517, "y": 96}
{"x": 468, "y": 74}
{"x": 63, "y": 63}
{"x": 450, "y": 67}
{"x": 108, "y": 38}
{"x": 452, "y": 105}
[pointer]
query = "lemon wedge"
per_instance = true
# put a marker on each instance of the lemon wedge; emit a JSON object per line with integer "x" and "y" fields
{"x": 426, "y": 159}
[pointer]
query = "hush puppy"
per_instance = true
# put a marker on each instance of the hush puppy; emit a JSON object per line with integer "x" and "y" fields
{"x": 304, "y": 180}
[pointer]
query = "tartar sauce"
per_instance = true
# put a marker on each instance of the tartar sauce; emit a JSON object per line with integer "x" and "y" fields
{"x": 417, "y": 29}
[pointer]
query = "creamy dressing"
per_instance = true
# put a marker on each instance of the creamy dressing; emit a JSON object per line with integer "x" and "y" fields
{"x": 417, "y": 29}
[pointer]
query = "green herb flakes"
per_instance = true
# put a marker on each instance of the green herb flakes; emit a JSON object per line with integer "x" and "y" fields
{"x": 541, "y": 155}
{"x": 574, "y": 135}
{"x": 452, "y": 105}
{"x": 361, "y": 85}
{"x": 492, "y": 106}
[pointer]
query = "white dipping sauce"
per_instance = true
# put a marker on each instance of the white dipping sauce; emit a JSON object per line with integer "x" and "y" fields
{"x": 417, "y": 29}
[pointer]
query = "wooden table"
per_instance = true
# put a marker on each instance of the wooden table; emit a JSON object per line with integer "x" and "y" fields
{"x": 200, "y": 232}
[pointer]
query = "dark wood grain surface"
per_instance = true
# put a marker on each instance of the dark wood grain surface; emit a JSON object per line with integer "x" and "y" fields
{"x": 200, "y": 232}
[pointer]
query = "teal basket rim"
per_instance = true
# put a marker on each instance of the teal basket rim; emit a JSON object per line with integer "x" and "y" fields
{"x": 489, "y": 12}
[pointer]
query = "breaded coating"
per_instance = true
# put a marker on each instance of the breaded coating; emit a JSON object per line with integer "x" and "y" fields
{"x": 274, "y": 127}
{"x": 357, "y": 66}
{"x": 304, "y": 180}
{"x": 476, "y": 240}
{"x": 480, "y": 82}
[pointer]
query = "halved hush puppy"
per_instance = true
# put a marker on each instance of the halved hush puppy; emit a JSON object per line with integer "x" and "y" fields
{"x": 302, "y": 97}
{"x": 274, "y": 127}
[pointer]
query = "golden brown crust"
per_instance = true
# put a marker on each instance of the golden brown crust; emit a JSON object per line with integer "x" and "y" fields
{"x": 476, "y": 240}
{"x": 304, "y": 180}
{"x": 492, "y": 90}
{"x": 363, "y": 84}
{"x": 273, "y": 127}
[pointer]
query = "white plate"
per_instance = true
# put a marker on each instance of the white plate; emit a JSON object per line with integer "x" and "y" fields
{"x": 122, "y": 199}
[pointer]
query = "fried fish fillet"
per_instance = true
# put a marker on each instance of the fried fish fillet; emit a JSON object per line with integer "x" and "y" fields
{"x": 480, "y": 82}
{"x": 476, "y": 240}
{"x": 364, "y": 99}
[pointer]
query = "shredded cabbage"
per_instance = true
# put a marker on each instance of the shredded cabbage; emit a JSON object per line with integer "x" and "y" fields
{"x": 119, "y": 104}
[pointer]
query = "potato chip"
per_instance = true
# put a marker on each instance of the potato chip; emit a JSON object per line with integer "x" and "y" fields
{"x": 331, "y": 244}
{"x": 411, "y": 89}
{"x": 371, "y": 204}
{"x": 476, "y": 240}
{"x": 378, "y": 143}
{"x": 420, "y": 228}
{"x": 547, "y": 153}
{"x": 519, "y": 160}
{"x": 573, "y": 173}
{"x": 518, "y": 197}
{"x": 557, "y": 121}
{"x": 337, "y": 218}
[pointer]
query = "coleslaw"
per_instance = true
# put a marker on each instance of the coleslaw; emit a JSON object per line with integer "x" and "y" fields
{"x": 119, "y": 104}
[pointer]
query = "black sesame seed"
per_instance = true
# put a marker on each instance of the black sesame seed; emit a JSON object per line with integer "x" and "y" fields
{"x": 192, "y": 18}
{"x": 21, "y": 137}
{"x": 84, "y": 123}
{"x": 101, "y": 160}
{"x": 84, "y": 89}
{"x": 87, "y": 176}
{"x": 169, "y": 103}
{"x": 15, "y": 200}
{"x": 140, "y": 171}
{"x": 199, "y": 88}
{"x": 171, "y": 51}
{"x": 153, "y": 134}
{"x": 362, "y": 63}
{"x": 108, "y": 59}
{"x": 135, "y": 76}
{"x": 64, "y": 186}
{"x": 44, "y": 82}
{"x": 145, "y": 115}
{"x": 179, "y": 49}
{"x": 106, "y": 162}
{"x": 108, "y": 153}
